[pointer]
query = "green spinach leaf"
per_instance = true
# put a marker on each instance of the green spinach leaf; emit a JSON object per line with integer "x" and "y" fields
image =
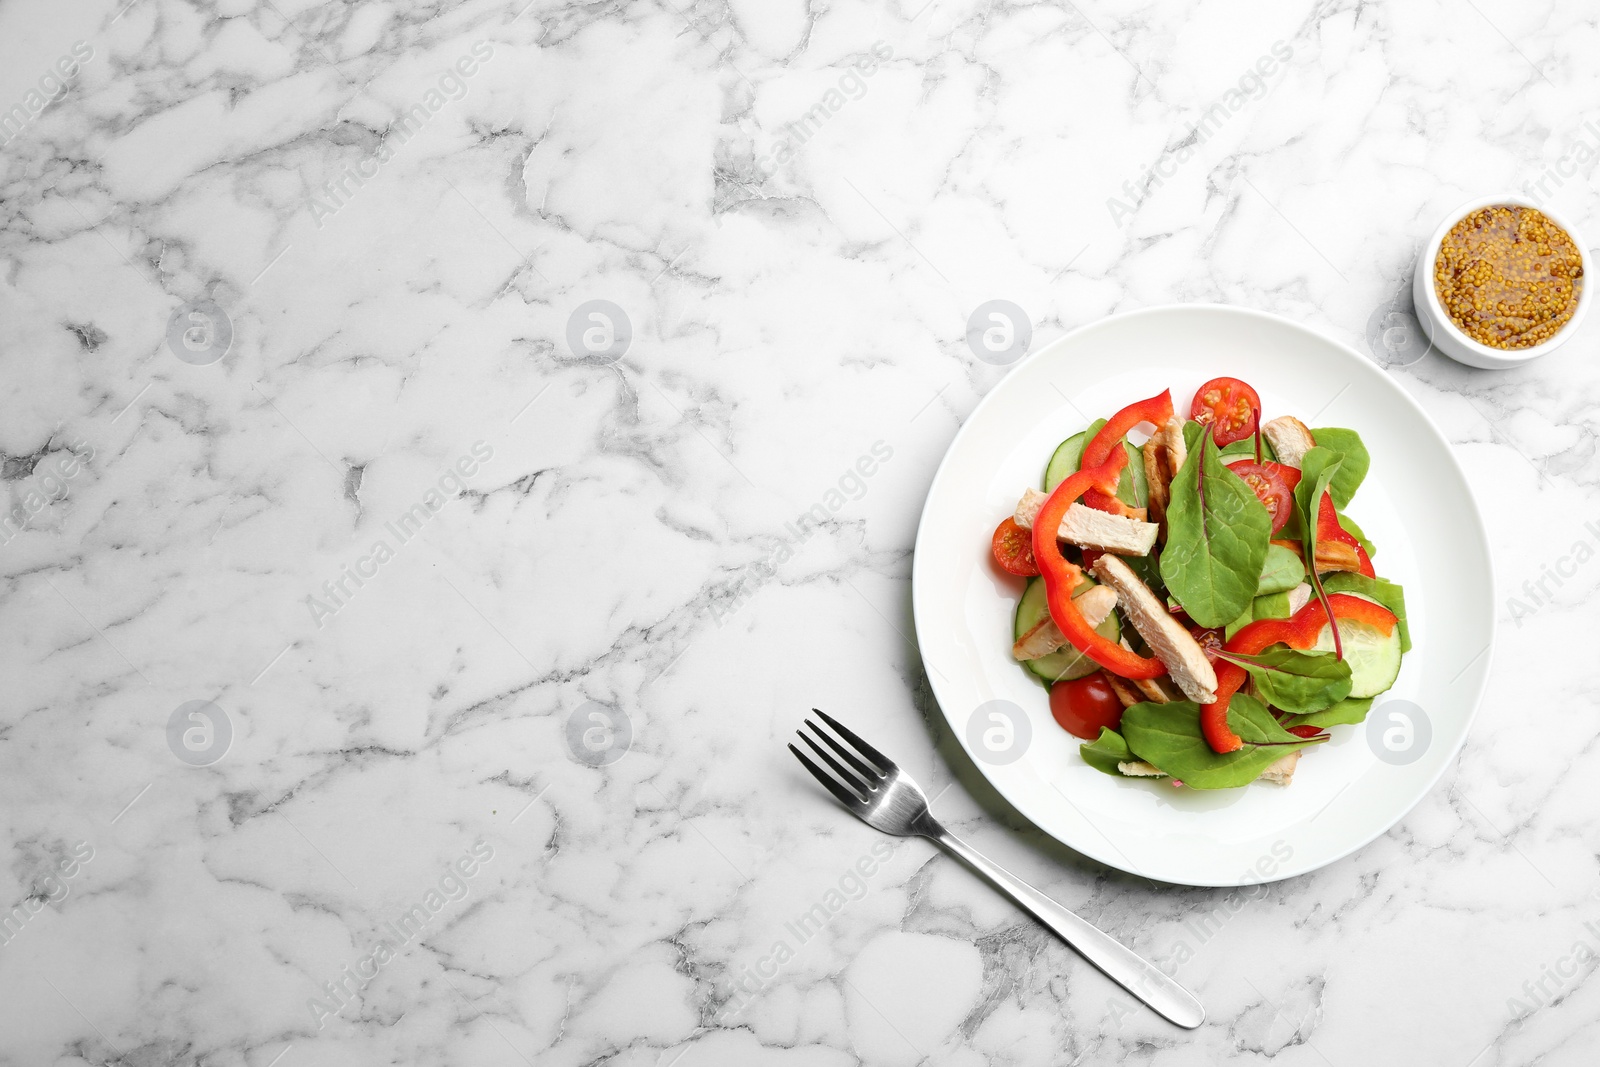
{"x": 1347, "y": 712}
{"x": 1246, "y": 446}
{"x": 1168, "y": 737}
{"x": 1298, "y": 682}
{"x": 1281, "y": 571}
{"x": 1353, "y": 530}
{"x": 1106, "y": 751}
{"x": 1272, "y": 606}
{"x": 1255, "y": 724}
{"x": 1217, "y": 534}
{"x": 1354, "y": 462}
{"x": 1240, "y": 623}
{"x": 1291, "y": 530}
{"x": 1317, "y": 468}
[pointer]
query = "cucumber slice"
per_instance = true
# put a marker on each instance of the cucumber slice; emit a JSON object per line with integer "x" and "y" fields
{"x": 1065, "y": 460}
{"x": 1373, "y": 655}
{"x": 1066, "y": 662}
{"x": 1379, "y": 591}
{"x": 1133, "y": 489}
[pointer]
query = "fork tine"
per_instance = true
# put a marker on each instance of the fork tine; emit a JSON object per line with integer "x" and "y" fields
{"x": 849, "y": 779}
{"x": 845, "y": 797}
{"x": 885, "y": 764}
{"x": 871, "y": 774}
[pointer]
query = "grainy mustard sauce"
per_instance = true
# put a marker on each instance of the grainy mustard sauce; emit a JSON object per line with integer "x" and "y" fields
{"x": 1508, "y": 276}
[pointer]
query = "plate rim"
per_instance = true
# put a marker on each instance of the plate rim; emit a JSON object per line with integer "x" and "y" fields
{"x": 1479, "y": 530}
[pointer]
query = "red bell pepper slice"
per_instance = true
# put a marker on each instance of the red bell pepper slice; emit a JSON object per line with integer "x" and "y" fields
{"x": 1156, "y": 411}
{"x": 1062, "y": 577}
{"x": 1328, "y": 529}
{"x": 1291, "y": 475}
{"x": 1299, "y": 631}
{"x": 1109, "y": 503}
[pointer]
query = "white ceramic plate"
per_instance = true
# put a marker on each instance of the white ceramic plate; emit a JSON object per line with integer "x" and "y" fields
{"x": 1415, "y": 505}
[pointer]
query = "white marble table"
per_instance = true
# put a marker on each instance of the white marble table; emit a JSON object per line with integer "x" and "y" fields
{"x": 331, "y": 543}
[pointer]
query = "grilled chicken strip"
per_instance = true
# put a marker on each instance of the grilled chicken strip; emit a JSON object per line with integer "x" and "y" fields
{"x": 1088, "y": 528}
{"x": 1336, "y": 556}
{"x": 1126, "y": 693}
{"x": 1299, "y": 597}
{"x": 1280, "y": 772}
{"x": 1185, "y": 661}
{"x": 1164, "y": 454}
{"x": 1290, "y": 439}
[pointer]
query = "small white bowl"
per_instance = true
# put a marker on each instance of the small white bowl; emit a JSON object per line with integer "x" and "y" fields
{"x": 1448, "y": 338}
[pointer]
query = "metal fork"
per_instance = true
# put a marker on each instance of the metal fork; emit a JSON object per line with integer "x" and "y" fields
{"x": 885, "y": 798}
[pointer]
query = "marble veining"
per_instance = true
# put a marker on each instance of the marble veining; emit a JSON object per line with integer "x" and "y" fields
{"x": 447, "y": 446}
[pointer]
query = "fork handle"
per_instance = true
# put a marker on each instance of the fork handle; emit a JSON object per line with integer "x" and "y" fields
{"x": 1118, "y": 962}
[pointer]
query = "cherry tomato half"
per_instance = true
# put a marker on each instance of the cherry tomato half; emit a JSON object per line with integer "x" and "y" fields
{"x": 1085, "y": 704}
{"x": 1013, "y": 549}
{"x": 1227, "y": 405}
{"x": 1269, "y": 487}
